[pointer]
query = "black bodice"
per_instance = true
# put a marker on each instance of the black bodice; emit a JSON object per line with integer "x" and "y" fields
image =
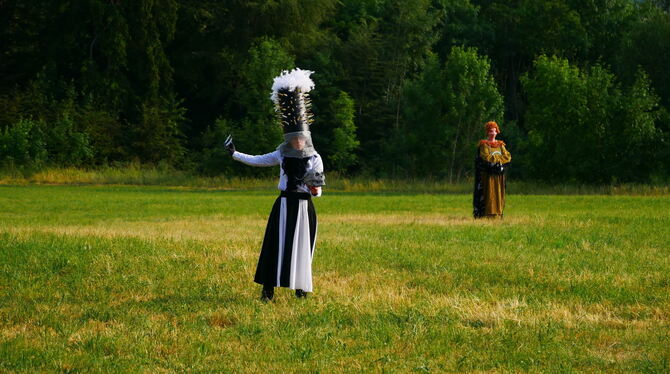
{"x": 295, "y": 169}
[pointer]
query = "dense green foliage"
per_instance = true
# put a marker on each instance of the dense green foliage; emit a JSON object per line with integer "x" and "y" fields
{"x": 403, "y": 87}
{"x": 156, "y": 279}
{"x": 449, "y": 104}
{"x": 606, "y": 133}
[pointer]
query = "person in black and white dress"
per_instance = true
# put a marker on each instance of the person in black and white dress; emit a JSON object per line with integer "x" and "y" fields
{"x": 290, "y": 236}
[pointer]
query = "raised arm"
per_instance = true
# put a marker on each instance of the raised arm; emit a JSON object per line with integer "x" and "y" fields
{"x": 268, "y": 159}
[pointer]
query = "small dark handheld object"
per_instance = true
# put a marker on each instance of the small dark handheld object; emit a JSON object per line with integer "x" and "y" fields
{"x": 314, "y": 178}
{"x": 229, "y": 144}
{"x": 497, "y": 168}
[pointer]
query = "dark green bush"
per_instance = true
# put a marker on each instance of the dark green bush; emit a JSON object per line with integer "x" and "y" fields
{"x": 23, "y": 145}
{"x": 30, "y": 144}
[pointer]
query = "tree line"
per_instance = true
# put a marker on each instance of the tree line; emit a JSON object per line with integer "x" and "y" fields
{"x": 403, "y": 88}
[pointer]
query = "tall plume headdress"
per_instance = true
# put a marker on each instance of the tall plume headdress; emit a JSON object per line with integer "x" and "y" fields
{"x": 290, "y": 94}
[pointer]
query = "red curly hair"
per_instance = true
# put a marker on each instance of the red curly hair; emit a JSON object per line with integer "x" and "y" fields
{"x": 491, "y": 124}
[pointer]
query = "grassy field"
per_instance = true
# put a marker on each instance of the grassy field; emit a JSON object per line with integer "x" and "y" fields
{"x": 147, "y": 175}
{"x": 159, "y": 279}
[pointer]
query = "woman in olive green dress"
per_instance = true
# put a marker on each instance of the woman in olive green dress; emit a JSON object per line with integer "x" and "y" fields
{"x": 491, "y": 164}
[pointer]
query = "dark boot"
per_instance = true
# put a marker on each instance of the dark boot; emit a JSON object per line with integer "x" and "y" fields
{"x": 268, "y": 293}
{"x": 300, "y": 294}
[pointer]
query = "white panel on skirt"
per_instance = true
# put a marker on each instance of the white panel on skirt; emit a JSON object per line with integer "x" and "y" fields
{"x": 301, "y": 256}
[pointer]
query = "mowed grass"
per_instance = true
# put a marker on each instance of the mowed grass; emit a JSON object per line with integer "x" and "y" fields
{"x": 158, "y": 279}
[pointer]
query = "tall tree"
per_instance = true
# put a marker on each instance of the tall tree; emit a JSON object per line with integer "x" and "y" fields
{"x": 343, "y": 142}
{"x": 111, "y": 54}
{"x": 649, "y": 47}
{"x": 523, "y": 29}
{"x": 386, "y": 44}
{"x": 446, "y": 110}
{"x": 584, "y": 127}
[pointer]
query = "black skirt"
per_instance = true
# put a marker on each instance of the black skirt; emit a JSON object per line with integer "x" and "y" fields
{"x": 288, "y": 246}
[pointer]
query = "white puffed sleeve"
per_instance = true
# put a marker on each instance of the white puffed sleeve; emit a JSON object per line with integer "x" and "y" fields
{"x": 268, "y": 159}
{"x": 318, "y": 164}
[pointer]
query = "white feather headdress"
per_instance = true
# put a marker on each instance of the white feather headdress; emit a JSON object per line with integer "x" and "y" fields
{"x": 290, "y": 94}
{"x": 296, "y": 78}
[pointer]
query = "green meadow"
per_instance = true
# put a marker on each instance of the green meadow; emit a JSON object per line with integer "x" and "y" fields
{"x": 159, "y": 279}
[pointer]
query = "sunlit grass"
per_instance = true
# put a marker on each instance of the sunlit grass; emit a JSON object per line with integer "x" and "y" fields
{"x": 157, "y": 279}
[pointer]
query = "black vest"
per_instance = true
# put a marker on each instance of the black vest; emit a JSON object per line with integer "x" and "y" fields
{"x": 295, "y": 169}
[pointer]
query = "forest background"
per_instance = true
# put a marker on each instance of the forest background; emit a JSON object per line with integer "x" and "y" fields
{"x": 580, "y": 87}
